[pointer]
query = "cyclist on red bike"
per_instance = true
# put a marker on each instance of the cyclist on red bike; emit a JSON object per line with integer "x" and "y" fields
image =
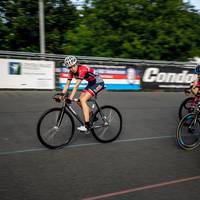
{"x": 94, "y": 86}
{"x": 195, "y": 85}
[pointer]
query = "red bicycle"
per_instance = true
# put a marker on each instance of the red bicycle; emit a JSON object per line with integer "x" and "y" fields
{"x": 188, "y": 105}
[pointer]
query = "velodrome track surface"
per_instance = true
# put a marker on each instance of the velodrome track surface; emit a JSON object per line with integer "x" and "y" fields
{"x": 143, "y": 164}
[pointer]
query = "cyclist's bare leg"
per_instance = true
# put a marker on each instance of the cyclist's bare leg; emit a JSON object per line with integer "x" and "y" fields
{"x": 79, "y": 104}
{"x": 84, "y": 97}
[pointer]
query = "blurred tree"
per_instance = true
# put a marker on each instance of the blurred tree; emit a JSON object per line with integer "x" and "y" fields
{"x": 3, "y": 28}
{"x": 21, "y": 21}
{"x": 143, "y": 29}
{"x": 19, "y": 24}
{"x": 61, "y": 17}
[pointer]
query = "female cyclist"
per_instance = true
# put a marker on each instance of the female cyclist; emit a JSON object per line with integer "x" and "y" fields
{"x": 94, "y": 86}
{"x": 195, "y": 85}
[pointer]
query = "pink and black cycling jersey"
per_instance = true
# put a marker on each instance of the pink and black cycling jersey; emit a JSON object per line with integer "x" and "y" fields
{"x": 197, "y": 83}
{"x": 86, "y": 73}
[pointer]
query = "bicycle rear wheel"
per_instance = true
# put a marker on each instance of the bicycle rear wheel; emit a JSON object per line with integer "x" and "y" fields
{"x": 188, "y": 132}
{"x": 187, "y": 106}
{"x": 55, "y": 128}
{"x": 107, "y": 124}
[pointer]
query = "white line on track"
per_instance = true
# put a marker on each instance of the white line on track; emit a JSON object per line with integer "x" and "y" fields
{"x": 86, "y": 144}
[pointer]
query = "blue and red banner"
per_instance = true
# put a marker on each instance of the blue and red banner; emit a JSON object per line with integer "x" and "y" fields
{"x": 115, "y": 77}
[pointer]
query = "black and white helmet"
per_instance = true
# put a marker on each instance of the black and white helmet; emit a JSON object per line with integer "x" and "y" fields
{"x": 197, "y": 69}
{"x": 70, "y": 61}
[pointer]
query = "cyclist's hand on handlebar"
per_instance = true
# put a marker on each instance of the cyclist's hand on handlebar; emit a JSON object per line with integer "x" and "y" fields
{"x": 68, "y": 101}
{"x": 59, "y": 97}
{"x": 187, "y": 91}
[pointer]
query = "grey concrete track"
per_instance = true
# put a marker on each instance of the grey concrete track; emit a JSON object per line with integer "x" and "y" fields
{"x": 144, "y": 163}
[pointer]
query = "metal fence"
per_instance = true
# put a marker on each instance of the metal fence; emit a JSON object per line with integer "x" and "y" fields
{"x": 92, "y": 59}
{"x": 150, "y": 74}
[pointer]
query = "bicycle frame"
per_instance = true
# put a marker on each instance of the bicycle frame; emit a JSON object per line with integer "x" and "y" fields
{"x": 57, "y": 134}
{"x": 196, "y": 100}
{"x": 68, "y": 107}
{"x": 197, "y": 112}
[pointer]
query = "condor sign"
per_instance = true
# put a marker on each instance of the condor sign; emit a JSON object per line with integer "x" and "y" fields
{"x": 167, "y": 77}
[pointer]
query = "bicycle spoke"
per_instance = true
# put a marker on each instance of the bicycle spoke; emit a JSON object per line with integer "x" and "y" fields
{"x": 108, "y": 126}
{"x": 103, "y": 132}
{"x": 56, "y": 118}
{"x": 188, "y": 133}
{"x": 48, "y": 134}
{"x": 62, "y": 131}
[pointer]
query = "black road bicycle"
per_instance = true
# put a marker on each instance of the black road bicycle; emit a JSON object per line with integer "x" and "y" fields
{"x": 188, "y": 130}
{"x": 187, "y": 106}
{"x": 56, "y": 126}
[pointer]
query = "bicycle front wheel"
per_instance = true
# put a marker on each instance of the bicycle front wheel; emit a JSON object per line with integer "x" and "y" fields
{"x": 188, "y": 132}
{"x": 107, "y": 124}
{"x": 187, "y": 106}
{"x": 55, "y": 128}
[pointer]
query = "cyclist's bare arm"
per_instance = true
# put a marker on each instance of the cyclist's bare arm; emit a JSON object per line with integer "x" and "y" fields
{"x": 191, "y": 89}
{"x": 65, "y": 89}
{"x": 195, "y": 90}
{"x": 78, "y": 82}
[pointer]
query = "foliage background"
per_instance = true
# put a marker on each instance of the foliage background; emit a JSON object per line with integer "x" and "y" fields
{"x": 136, "y": 29}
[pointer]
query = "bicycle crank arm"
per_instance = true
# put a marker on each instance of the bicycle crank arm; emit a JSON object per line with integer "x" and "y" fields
{"x": 100, "y": 126}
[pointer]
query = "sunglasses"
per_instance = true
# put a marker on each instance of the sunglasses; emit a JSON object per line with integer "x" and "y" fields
{"x": 71, "y": 66}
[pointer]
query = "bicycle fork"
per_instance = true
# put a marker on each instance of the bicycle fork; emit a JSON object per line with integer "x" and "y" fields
{"x": 60, "y": 117}
{"x": 190, "y": 129}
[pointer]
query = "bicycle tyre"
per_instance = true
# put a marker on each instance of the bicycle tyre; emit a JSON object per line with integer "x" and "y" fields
{"x": 95, "y": 131}
{"x": 183, "y": 106}
{"x": 68, "y": 131}
{"x": 193, "y": 140}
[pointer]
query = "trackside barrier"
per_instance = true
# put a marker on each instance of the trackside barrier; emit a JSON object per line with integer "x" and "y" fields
{"x": 167, "y": 78}
{"x": 115, "y": 77}
{"x": 118, "y": 74}
{"x": 27, "y": 74}
{"x": 138, "y": 76}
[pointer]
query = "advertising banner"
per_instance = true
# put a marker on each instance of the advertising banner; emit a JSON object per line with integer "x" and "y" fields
{"x": 167, "y": 77}
{"x": 115, "y": 77}
{"x": 27, "y": 74}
